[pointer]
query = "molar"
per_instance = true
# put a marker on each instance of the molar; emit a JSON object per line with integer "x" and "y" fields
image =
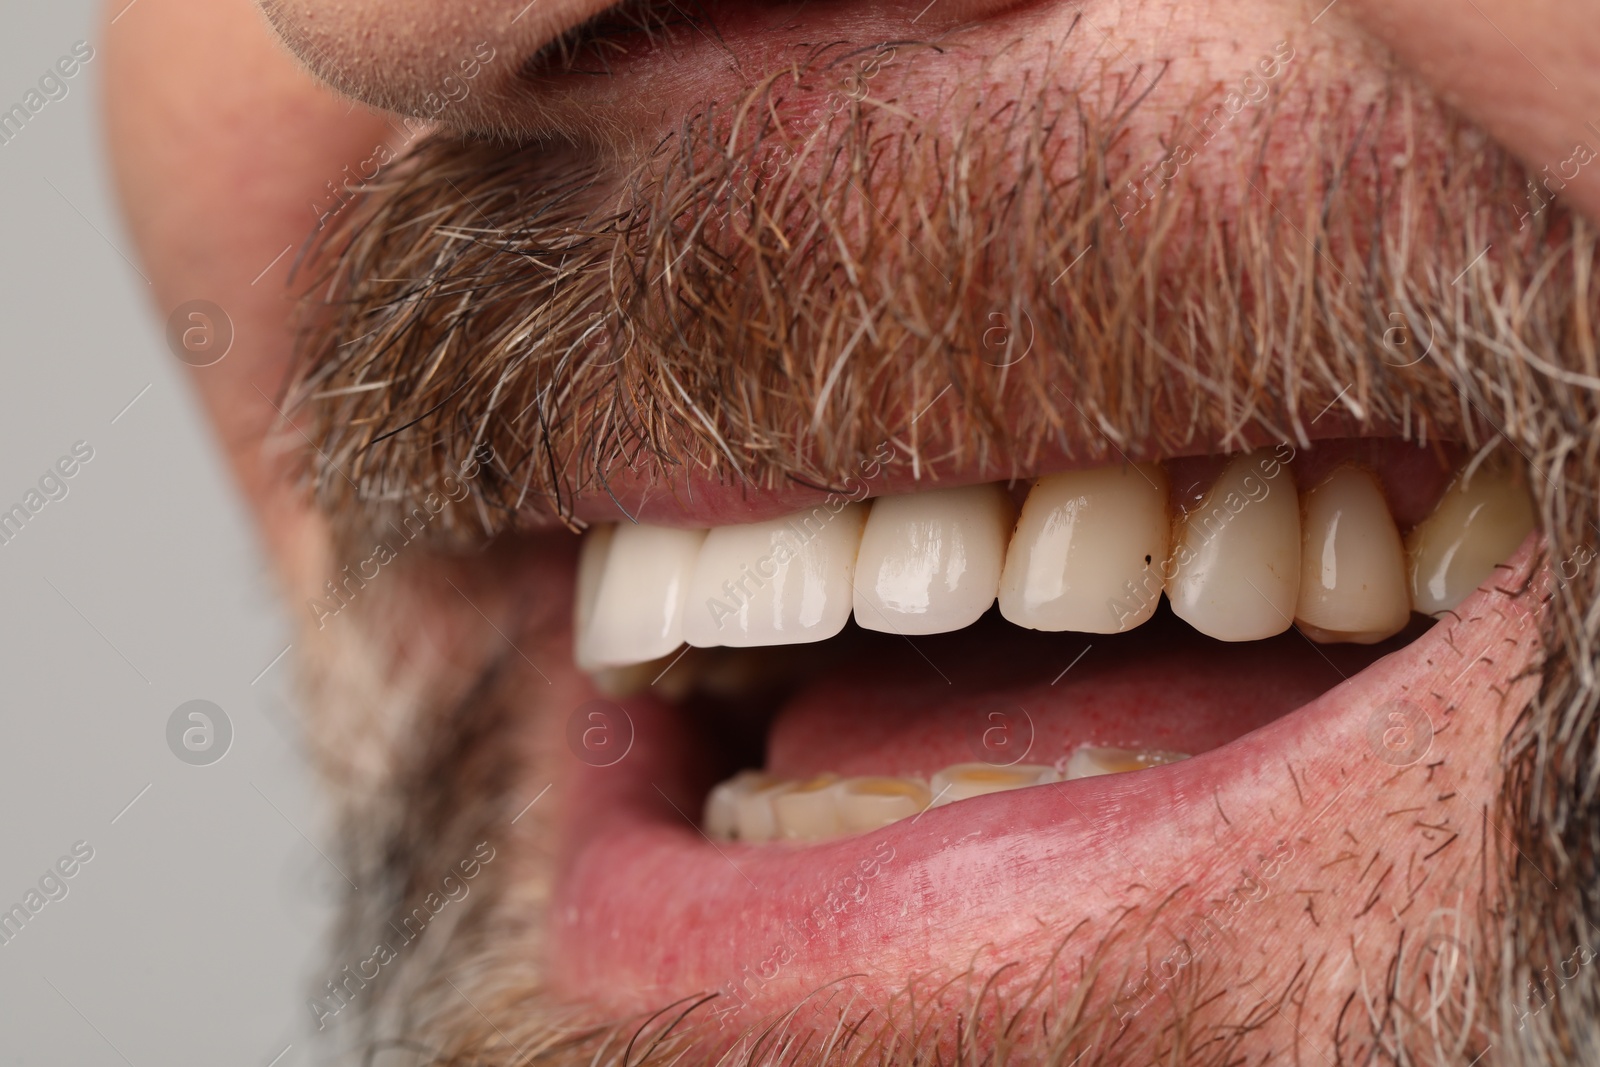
{"x": 754, "y": 806}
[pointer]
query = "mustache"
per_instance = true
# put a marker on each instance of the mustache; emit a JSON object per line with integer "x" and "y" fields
{"x": 766, "y": 296}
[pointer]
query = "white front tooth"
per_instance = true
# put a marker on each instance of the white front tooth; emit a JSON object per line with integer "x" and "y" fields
{"x": 807, "y": 811}
{"x": 638, "y": 609}
{"x": 1090, "y": 760}
{"x": 1088, "y": 551}
{"x": 964, "y": 780}
{"x": 930, "y": 562}
{"x": 784, "y": 582}
{"x": 870, "y": 803}
{"x": 754, "y": 819}
{"x": 1352, "y": 566}
{"x": 721, "y": 821}
{"x": 591, "y": 568}
{"x": 1476, "y": 527}
{"x": 1235, "y": 571}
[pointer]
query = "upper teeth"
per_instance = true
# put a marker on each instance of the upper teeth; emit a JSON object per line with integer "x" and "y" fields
{"x": 1236, "y": 573}
{"x": 1092, "y": 551}
{"x": 1352, "y": 566}
{"x": 639, "y": 597}
{"x": 1082, "y": 538}
{"x": 930, "y": 562}
{"x": 781, "y": 582}
{"x": 1479, "y": 523}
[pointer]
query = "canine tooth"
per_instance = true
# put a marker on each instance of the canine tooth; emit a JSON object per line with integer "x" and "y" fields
{"x": 591, "y": 568}
{"x": 1476, "y": 527}
{"x": 1352, "y": 566}
{"x": 754, "y": 818}
{"x": 964, "y": 780}
{"x": 1090, "y": 760}
{"x": 1235, "y": 571}
{"x": 870, "y": 803}
{"x": 722, "y": 803}
{"x": 1088, "y": 551}
{"x": 807, "y": 811}
{"x": 930, "y": 562}
{"x": 783, "y": 582}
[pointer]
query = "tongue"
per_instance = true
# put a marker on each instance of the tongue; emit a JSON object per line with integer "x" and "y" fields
{"x": 1001, "y": 694}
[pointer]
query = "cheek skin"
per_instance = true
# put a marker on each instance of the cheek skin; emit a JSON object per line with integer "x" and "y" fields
{"x": 217, "y": 153}
{"x": 1538, "y": 96}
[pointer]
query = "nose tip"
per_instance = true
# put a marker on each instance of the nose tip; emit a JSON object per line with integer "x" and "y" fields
{"x": 420, "y": 57}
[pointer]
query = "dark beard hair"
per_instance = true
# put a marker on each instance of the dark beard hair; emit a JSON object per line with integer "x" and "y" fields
{"x": 711, "y": 314}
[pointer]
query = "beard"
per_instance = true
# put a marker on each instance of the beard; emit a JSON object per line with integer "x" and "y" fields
{"x": 790, "y": 279}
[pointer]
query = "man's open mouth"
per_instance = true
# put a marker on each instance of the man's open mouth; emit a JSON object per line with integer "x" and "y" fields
{"x": 1085, "y": 665}
{"x": 950, "y": 618}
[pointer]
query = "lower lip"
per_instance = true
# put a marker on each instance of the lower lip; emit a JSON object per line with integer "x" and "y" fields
{"x": 647, "y": 910}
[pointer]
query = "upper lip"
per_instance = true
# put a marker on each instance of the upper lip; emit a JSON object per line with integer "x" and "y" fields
{"x": 675, "y": 496}
{"x": 737, "y": 396}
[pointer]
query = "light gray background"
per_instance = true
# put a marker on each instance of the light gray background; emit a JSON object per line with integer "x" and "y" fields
{"x": 192, "y": 935}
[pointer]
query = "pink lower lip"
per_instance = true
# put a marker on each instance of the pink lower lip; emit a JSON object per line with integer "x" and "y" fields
{"x": 647, "y": 910}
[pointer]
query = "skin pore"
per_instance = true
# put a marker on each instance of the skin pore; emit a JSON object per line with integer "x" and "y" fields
{"x": 435, "y": 732}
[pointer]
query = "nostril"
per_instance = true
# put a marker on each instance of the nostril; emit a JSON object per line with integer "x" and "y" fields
{"x": 455, "y": 63}
{"x": 630, "y": 27}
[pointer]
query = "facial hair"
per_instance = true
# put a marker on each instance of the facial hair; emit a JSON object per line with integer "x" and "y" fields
{"x": 775, "y": 289}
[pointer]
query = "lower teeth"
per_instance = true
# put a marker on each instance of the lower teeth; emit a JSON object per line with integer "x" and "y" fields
{"x": 753, "y": 806}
